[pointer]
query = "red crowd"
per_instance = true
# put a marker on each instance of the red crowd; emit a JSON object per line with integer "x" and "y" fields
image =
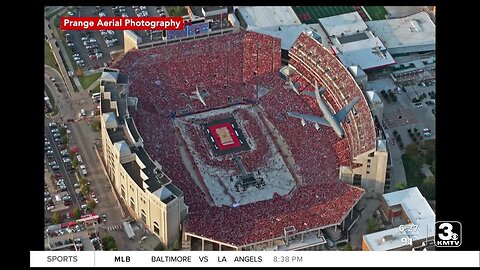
{"x": 229, "y": 68}
{"x": 312, "y": 60}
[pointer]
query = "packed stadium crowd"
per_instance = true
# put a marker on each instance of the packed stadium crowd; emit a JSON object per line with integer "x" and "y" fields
{"x": 311, "y": 59}
{"x": 233, "y": 66}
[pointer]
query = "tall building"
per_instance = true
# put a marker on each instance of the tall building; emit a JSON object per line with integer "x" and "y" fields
{"x": 150, "y": 195}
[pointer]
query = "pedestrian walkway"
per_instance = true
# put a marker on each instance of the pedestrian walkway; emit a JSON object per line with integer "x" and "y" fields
{"x": 114, "y": 228}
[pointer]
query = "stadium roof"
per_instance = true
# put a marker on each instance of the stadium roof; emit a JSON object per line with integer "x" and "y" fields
{"x": 418, "y": 211}
{"x": 353, "y": 42}
{"x": 264, "y": 17}
{"x": 346, "y": 24}
{"x": 409, "y": 34}
{"x": 287, "y": 34}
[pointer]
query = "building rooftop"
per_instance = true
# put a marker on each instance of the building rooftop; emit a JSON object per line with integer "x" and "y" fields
{"x": 116, "y": 135}
{"x": 122, "y": 148}
{"x": 213, "y": 8}
{"x": 286, "y": 33}
{"x": 268, "y": 16}
{"x": 153, "y": 182}
{"x": 346, "y": 24}
{"x": 109, "y": 117}
{"x": 373, "y": 97}
{"x": 354, "y": 43}
{"x": 367, "y": 53}
{"x": 118, "y": 95}
{"x": 134, "y": 171}
{"x": 356, "y": 71}
{"x": 418, "y": 211}
{"x": 133, "y": 129}
{"x": 414, "y": 30}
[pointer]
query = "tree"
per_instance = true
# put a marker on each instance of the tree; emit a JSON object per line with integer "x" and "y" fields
{"x": 415, "y": 129}
{"x": 95, "y": 124}
{"x": 76, "y": 213}
{"x": 85, "y": 190}
{"x": 176, "y": 245}
{"x": 159, "y": 247}
{"x": 71, "y": 154}
{"x": 401, "y": 185}
{"x": 62, "y": 131}
{"x": 428, "y": 188}
{"x": 429, "y": 151}
{"x": 373, "y": 225}
{"x": 432, "y": 168}
{"x": 82, "y": 182}
{"x": 347, "y": 247}
{"x": 109, "y": 243}
{"x": 65, "y": 139}
{"x": 112, "y": 245}
{"x": 91, "y": 204}
{"x": 412, "y": 150}
{"x": 56, "y": 218}
{"x": 74, "y": 162}
{"x": 395, "y": 132}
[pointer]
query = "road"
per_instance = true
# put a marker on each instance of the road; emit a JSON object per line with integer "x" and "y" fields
{"x": 369, "y": 205}
{"x": 56, "y": 45}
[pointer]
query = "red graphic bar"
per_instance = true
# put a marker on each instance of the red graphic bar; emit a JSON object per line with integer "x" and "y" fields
{"x": 120, "y": 23}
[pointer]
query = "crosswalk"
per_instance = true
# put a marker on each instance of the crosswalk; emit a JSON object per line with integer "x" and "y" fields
{"x": 114, "y": 228}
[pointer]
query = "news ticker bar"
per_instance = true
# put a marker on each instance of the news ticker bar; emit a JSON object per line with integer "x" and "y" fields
{"x": 254, "y": 258}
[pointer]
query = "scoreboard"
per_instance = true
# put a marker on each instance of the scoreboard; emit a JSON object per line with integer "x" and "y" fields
{"x": 189, "y": 30}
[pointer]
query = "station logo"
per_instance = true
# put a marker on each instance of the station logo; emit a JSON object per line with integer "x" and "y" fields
{"x": 448, "y": 234}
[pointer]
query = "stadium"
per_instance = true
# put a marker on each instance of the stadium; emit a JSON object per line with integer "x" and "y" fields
{"x": 234, "y": 171}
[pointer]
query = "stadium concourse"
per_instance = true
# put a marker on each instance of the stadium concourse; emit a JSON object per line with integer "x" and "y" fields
{"x": 233, "y": 69}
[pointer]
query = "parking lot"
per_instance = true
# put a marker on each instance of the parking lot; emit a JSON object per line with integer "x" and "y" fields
{"x": 91, "y": 49}
{"x": 56, "y": 157}
{"x": 63, "y": 189}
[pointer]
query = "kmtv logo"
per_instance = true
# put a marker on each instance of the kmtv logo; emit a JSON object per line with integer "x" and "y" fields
{"x": 448, "y": 234}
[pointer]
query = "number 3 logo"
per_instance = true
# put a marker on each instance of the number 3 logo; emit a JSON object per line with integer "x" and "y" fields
{"x": 447, "y": 229}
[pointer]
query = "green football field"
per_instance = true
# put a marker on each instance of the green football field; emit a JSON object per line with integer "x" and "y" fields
{"x": 311, "y": 14}
{"x": 376, "y": 12}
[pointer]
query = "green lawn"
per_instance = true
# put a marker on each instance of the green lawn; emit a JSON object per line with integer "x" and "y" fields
{"x": 49, "y": 58}
{"x": 53, "y": 14}
{"x": 376, "y": 12}
{"x": 177, "y": 11}
{"x": 96, "y": 89}
{"x": 69, "y": 52}
{"x": 412, "y": 171}
{"x": 311, "y": 14}
{"x": 86, "y": 81}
